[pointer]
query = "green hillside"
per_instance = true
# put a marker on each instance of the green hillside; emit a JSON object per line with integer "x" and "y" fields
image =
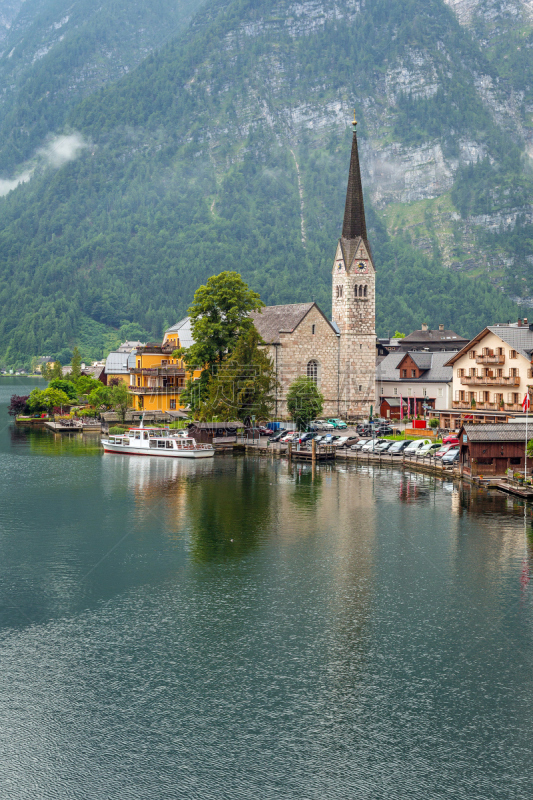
{"x": 191, "y": 167}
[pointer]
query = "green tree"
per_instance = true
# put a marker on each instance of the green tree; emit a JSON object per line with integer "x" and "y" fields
{"x": 101, "y": 398}
{"x": 64, "y": 386}
{"x": 120, "y": 400}
{"x": 219, "y": 314}
{"x": 56, "y": 371}
{"x": 304, "y": 401}
{"x": 398, "y": 335}
{"x": 85, "y": 385}
{"x": 47, "y": 400}
{"x": 244, "y": 384}
{"x": 75, "y": 372}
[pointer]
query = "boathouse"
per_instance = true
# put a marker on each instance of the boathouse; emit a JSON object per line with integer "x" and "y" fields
{"x": 494, "y": 448}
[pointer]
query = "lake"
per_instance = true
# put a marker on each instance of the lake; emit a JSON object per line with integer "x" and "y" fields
{"x": 241, "y": 628}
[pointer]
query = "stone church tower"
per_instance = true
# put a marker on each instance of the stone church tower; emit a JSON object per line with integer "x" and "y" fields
{"x": 354, "y": 301}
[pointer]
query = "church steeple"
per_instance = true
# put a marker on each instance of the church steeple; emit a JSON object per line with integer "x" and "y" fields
{"x": 354, "y": 224}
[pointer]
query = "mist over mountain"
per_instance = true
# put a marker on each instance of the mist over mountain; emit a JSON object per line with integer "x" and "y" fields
{"x": 228, "y": 148}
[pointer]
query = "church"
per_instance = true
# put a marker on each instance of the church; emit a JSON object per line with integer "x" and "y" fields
{"x": 338, "y": 355}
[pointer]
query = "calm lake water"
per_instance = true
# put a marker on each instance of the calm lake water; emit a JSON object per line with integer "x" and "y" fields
{"x": 237, "y": 629}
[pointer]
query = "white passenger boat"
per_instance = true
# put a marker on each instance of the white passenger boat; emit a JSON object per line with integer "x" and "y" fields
{"x": 156, "y": 442}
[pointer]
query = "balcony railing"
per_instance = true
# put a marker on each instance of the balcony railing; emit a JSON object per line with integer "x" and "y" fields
{"x": 485, "y": 380}
{"x": 465, "y": 405}
{"x": 156, "y": 389}
{"x": 159, "y": 371}
{"x": 499, "y": 360}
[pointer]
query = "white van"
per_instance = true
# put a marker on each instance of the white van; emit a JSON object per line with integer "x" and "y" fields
{"x": 414, "y": 447}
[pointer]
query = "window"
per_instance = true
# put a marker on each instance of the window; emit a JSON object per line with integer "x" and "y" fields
{"x": 512, "y": 353}
{"x": 499, "y": 373}
{"x": 425, "y": 392}
{"x": 440, "y": 391}
{"x": 395, "y": 390}
{"x": 516, "y": 397}
{"x": 339, "y": 291}
{"x": 365, "y": 291}
{"x": 312, "y": 371}
{"x": 513, "y": 372}
{"x": 313, "y": 329}
{"x": 361, "y": 291}
{"x": 460, "y": 373}
{"x": 498, "y": 398}
{"x": 172, "y": 404}
{"x": 360, "y": 388}
{"x": 472, "y": 372}
{"x": 499, "y": 351}
{"x": 485, "y": 351}
{"x": 485, "y": 396}
{"x": 462, "y": 396}
{"x": 413, "y": 373}
{"x": 404, "y": 373}
{"x": 138, "y": 363}
{"x": 472, "y": 354}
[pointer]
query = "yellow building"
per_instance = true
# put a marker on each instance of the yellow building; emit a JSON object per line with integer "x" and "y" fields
{"x": 157, "y": 379}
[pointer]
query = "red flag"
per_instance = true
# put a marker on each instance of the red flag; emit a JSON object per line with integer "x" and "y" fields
{"x": 401, "y": 406}
{"x": 526, "y": 403}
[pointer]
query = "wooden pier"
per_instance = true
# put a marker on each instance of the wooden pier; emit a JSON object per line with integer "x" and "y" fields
{"x": 63, "y": 427}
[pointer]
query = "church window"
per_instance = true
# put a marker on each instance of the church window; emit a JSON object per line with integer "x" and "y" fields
{"x": 339, "y": 291}
{"x": 313, "y": 329}
{"x": 360, "y": 291}
{"x": 312, "y": 371}
{"x": 365, "y": 291}
{"x": 360, "y": 388}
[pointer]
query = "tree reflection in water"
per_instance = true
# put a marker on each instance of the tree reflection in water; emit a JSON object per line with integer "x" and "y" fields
{"x": 228, "y": 515}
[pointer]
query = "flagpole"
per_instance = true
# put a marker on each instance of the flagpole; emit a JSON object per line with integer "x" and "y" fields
{"x": 527, "y": 413}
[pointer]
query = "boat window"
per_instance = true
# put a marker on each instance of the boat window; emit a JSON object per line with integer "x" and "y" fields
{"x": 169, "y": 444}
{"x": 160, "y": 443}
{"x": 146, "y": 434}
{"x": 137, "y": 434}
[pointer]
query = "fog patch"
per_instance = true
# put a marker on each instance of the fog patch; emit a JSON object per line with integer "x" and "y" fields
{"x": 7, "y": 186}
{"x": 62, "y": 149}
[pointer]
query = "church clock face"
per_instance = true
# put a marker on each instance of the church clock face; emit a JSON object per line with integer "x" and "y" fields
{"x": 361, "y": 268}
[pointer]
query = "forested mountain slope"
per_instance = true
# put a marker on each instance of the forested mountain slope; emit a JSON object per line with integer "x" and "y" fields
{"x": 229, "y": 148}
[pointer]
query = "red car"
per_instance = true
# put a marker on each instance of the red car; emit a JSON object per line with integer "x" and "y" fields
{"x": 451, "y": 439}
{"x": 445, "y": 447}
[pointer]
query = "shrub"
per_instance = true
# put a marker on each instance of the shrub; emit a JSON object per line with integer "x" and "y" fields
{"x": 116, "y": 429}
{"x": 433, "y": 422}
{"x": 18, "y": 405}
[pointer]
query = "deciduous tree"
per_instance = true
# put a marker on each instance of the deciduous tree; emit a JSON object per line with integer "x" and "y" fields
{"x": 304, "y": 401}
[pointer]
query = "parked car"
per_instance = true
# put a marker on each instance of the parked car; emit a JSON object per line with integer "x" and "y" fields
{"x": 444, "y": 449}
{"x": 450, "y": 439}
{"x": 337, "y": 423}
{"x": 371, "y": 445}
{"x": 383, "y": 430}
{"x": 359, "y": 445}
{"x": 397, "y": 448}
{"x": 306, "y": 437}
{"x": 429, "y": 449}
{"x": 414, "y": 446}
{"x": 265, "y": 431}
{"x": 384, "y": 446}
{"x": 451, "y": 457}
{"x": 319, "y": 424}
{"x": 278, "y": 435}
{"x": 347, "y": 441}
{"x": 327, "y": 426}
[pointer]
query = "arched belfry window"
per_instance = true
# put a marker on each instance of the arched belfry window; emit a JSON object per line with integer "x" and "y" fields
{"x": 361, "y": 291}
{"x": 365, "y": 291}
{"x": 312, "y": 371}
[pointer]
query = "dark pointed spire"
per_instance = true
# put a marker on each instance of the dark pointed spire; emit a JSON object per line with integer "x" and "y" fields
{"x": 354, "y": 224}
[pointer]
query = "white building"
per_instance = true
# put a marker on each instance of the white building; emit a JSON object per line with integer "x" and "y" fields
{"x": 419, "y": 378}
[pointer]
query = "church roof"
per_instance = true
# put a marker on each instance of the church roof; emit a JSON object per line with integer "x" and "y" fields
{"x": 273, "y": 320}
{"x": 354, "y": 224}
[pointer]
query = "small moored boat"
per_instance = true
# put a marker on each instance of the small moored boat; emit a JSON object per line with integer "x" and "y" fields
{"x": 156, "y": 442}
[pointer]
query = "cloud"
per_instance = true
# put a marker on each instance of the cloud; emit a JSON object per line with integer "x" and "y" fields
{"x": 57, "y": 152}
{"x": 63, "y": 149}
{"x": 7, "y": 186}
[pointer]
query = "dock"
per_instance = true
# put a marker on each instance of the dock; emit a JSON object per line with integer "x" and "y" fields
{"x": 74, "y": 427}
{"x": 519, "y": 491}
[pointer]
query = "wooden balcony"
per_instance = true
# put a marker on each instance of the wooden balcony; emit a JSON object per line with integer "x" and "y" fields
{"x": 156, "y": 389}
{"x": 151, "y": 372}
{"x": 485, "y": 380}
{"x": 464, "y": 405}
{"x": 497, "y": 360}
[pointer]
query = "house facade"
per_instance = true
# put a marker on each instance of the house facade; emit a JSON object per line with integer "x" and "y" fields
{"x": 493, "y": 449}
{"x": 419, "y": 379}
{"x": 491, "y": 375}
{"x": 338, "y": 355}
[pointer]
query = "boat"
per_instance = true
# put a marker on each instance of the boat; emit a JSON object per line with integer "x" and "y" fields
{"x": 156, "y": 442}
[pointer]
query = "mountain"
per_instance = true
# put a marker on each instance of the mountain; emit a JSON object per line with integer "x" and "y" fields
{"x": 228, "y": 148}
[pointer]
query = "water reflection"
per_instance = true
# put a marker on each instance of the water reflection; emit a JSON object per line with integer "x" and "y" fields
{"x": 40, "y": 441}
{"x": 228, "y": 516}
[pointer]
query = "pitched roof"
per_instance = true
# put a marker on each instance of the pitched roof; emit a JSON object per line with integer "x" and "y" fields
{"x": 119, "y": 363}
{"x": 354, "y": 224}
{"x": 519, "y": 339}
{"x": 435, "y": 371}
{"x": 273, "y": 320}
{"x": 184, "y": 330}
{"x": 496, "y": 432}
{"x": 433, "y": 336}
